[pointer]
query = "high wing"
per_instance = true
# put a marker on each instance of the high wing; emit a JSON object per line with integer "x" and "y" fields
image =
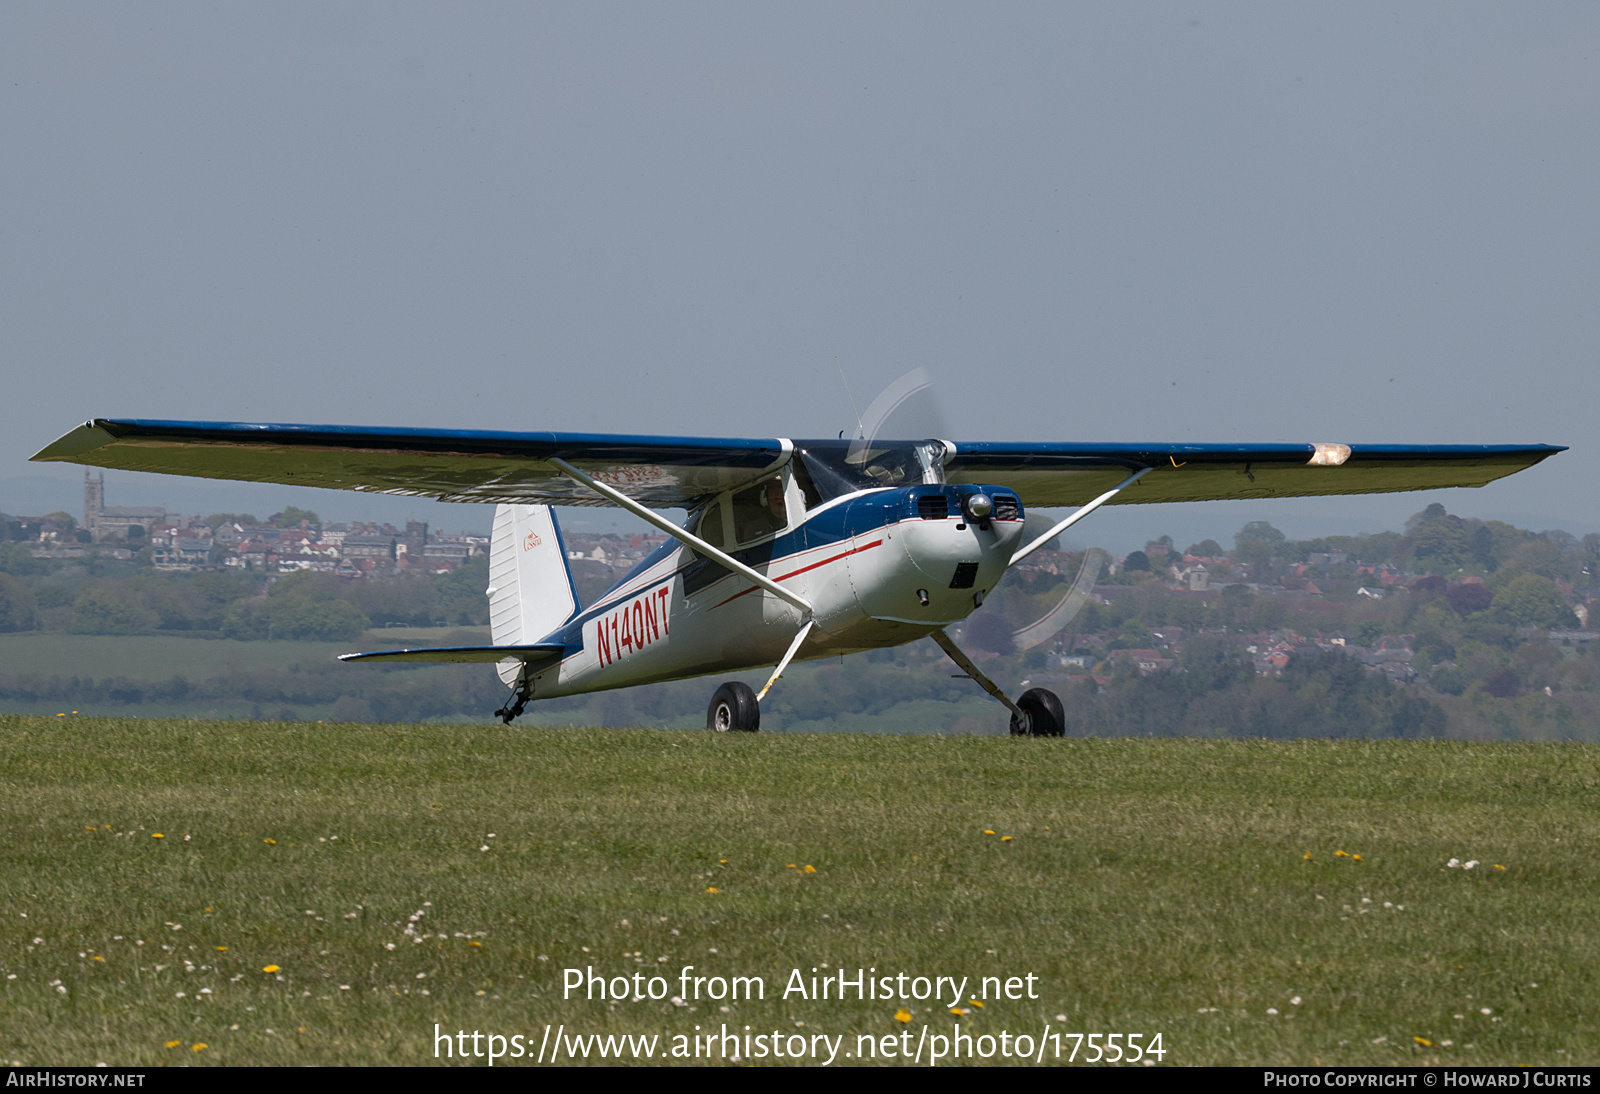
{"x": 451, "y": 465}
{"x": 668, "y": 472}
{"x": 1071, "y": 474}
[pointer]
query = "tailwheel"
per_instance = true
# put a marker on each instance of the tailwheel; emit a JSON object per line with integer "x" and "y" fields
{"x": 734, "y": 709}
{"x": 1045, "y": 716}
{"x": 518, "y": 702}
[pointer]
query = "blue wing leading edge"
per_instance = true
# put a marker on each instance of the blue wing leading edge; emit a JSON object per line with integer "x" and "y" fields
{"x": 671, "y": 472}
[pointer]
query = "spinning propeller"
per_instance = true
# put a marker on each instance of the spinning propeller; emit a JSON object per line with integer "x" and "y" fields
{"x": 909, "y": 408}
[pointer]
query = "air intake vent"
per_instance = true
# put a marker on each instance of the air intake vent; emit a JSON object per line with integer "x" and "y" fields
{"x": 1005, "y": 508}
{"x": 933, "y": 507}
{"x": 966, "y": 574}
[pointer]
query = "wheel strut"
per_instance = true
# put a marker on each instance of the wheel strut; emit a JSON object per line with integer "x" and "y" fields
{"x": 975, "y": 674}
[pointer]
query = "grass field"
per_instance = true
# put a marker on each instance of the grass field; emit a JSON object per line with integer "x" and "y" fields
{"x": 160, "y": 657}
{"x": 1181, "y": 887}
{"x": 152, "y": 657}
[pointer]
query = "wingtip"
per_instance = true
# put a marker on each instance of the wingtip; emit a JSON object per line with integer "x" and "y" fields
{"x": 71, "y": 445}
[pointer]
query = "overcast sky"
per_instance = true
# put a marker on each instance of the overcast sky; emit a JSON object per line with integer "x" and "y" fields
{"x": 1203, "y": 222}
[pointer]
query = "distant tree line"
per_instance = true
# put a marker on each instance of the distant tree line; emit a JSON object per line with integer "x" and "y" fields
{"x": 103, "y": 597}
{"x": 1219, "y": 694}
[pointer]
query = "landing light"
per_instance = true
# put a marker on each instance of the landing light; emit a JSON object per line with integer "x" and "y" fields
{"x": 978, "y": 507}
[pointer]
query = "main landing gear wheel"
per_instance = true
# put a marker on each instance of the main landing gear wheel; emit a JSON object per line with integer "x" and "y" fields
{"x": 734, "y": 709}
{"x": 1045, "y": 716}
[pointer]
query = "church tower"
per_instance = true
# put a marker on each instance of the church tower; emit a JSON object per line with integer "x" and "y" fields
{"x": 94, "y": 500}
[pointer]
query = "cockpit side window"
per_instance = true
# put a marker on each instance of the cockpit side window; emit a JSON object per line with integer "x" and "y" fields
{"x": 759, "y": 511}
{"x": 710, "y": 527}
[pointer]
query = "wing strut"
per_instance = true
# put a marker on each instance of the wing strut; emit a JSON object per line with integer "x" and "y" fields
{"x": 683, "y": 534}
{"x": 1077, "y": 516}
{"x": 794, "y": 648}
{"x": 974, "y": 673}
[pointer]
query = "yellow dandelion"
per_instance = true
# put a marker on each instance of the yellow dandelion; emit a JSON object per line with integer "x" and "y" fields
{"x": 723, "y": 861}
{"x": 988, "y": 831}
{"x": 1341, "y": 854}
{"x": 1355, "y": 858}
{"x": 197, "y": 1046}
{"x": 713, "y": 889}
{"x": 88, "y": 828}
{"x": 975, "y": 1003}
{"x": 269, "y": 839}
{"x": 157, "y": 835}
{"x": 790, "y": 866}
{"x": 1006, "y": 839}
{"x": 96, "y": 957}
{"x": 810, "y": 869}
{"x": 902, "y": 1015}
{"x": 474, "y": 943}
{"x": 1423, "y": 1041}
{"x": 1306, "y": 857}
{"x": 269, "y": 968}
{"x": 222, "y": 949}
{"x": 302, "y": 1029}
{"x": 174, "y": 1044}
{"x": 1497, "y": 866}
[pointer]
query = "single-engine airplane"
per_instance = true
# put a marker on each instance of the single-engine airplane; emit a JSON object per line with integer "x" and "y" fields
{"x": 794, "y": 549}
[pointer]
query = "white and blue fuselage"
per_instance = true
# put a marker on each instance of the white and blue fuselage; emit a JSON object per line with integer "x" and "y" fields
{"x": 880, "y": 567}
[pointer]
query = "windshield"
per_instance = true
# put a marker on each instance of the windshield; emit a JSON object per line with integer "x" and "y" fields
{"x": 831, "y": 469}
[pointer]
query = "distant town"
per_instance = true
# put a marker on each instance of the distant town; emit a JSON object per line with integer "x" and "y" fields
{"x": 283, "y": 543}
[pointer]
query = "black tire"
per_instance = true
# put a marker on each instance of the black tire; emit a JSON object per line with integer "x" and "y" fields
{"x": 1045, "y": 716}
{"x": 734, "y": 709}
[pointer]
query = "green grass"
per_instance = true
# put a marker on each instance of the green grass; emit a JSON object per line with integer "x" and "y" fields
{"x": 161, "y": 657}
{"x": 152, "y": 657}
{"x": 1151, "y": 886}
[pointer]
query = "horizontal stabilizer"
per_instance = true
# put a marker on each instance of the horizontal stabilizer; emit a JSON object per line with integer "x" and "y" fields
{"x": 530, "y": 655}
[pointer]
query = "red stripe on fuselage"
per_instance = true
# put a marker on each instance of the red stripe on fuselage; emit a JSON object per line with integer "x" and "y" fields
{"x": 804, "y": 569}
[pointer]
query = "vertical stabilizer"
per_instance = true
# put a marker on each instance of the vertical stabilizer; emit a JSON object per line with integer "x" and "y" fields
{"x": 530, "y": 588}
